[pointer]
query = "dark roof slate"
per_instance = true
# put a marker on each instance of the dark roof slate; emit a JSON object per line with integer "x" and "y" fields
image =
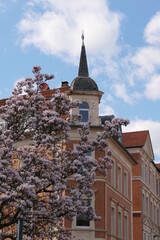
{"x": 83, "y": 66}
{"x": 84, "y": 84}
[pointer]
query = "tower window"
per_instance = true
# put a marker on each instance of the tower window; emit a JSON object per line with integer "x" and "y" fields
{"x": 84, "y": 112}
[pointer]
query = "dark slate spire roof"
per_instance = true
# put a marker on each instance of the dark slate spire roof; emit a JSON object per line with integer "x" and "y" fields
{"x": 83, "y": 66}
{"x": 83, "y": 82}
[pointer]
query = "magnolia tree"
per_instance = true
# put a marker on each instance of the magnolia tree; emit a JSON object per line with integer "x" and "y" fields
{"x": 39, "y": 188}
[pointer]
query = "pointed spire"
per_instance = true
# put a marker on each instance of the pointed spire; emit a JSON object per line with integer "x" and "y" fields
{"x": 83, "y": 66}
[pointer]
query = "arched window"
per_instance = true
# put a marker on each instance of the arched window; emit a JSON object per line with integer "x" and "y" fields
{"x": 84, "y": 112}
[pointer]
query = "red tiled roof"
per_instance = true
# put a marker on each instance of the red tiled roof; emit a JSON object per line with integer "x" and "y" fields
{"x": 3, "y": 102}
{"x": 135, "y": 139}
{"x": 47, "y": 94}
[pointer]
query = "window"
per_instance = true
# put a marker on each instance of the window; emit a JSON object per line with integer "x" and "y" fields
{"x": 120, "y": 134}
{"x": 119, "y": 224}
{"x": 125, "y": 227}
{"x": 125, "y": 184}
{"x": 157, "y": 186}
{"x": 83, "y": 219}
{"x": 142, "y": 169}
{"x": 146, "y": 173}
{"x": 144, "y": 236}
{"x": 154, "y": 213}
{"x": 147, "y": 206}
{"x": 89, "y": 154}
{"x": 151, "y": 210}
{"x": 151, "y": 179}
{"x": 119, "y": 179}
{"x": 84, "y": 112}
{"x": 157, "y": 216}
{"x": 113, "y": 221}
{"x": 154, "y": 183}
{"x": 143, "y": 203}
{"x": 113, "y": 174}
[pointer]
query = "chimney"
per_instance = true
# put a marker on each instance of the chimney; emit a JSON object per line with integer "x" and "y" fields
{"x": 64, "y": 84}
{"x": 43, "y": 87}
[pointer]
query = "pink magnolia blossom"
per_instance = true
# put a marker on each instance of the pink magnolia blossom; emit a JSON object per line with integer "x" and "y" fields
{"x": 33, "y": 189}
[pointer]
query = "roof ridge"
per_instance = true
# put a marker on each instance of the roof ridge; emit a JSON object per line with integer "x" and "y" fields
{"x": 140, "y": 131}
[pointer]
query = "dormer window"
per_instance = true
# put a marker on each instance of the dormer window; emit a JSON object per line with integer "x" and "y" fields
{"x": 84, "y": 112}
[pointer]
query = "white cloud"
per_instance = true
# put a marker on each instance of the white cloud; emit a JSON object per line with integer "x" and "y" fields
{"x": 147, "y": 60}
{"x": 154, "y": 129}
{"x": 18, "y": 80}
{"x": 121, "y": 92}
{"x": 106, "y": 109}
{"x": 56, "y": 28}
{"x": 152, "y": 90}
{"x": 152, "y": 30}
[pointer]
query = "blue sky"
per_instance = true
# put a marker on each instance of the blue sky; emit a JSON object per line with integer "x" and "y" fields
{"x": 122, "y": 40}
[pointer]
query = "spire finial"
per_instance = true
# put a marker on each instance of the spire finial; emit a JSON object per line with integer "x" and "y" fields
{"x": 82, "y": 38}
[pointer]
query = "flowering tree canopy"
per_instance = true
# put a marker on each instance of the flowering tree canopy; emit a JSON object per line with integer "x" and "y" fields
{"x": 36, "y": 166}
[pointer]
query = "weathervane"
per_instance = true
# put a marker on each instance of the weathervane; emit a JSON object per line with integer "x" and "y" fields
{"x": 83, "y": 38}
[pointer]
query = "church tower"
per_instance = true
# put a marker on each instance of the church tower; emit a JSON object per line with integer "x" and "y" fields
{"x": 86, "y": 91}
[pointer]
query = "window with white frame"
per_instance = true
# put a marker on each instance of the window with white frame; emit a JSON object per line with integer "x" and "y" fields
{"x": 119, "y": 180}
{"x": 151, "y": 209}
{"x": 154, "y": 183}
{"x": 119, "y": 224}
{"x": 84, "y": 112}
{"x": 125, "y": 181}
{"x": 142, "y": 169}
{"x": 158, "y": 215}
{"x": 126, "y": 226}
{"x": 157, "y": 186}
{"x": 83, "y": 219}
{"x": 146, "y": 173}
{"x": 113, "y": 220}
{"x": 88, "y": 154}
{"x": 113, "y": 174}
{"x": 147, "y": 205}
{"x": 151, "y": 179}
{"x": 144, "y": 235}
{"x": 154, "y": 212}
{"x": 143, "y": 203}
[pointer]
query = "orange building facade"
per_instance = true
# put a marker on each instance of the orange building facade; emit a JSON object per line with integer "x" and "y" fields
{"x": 145, "y": 185}
{"x": 127, "y": 200}
{"x": 112, "y": 198}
